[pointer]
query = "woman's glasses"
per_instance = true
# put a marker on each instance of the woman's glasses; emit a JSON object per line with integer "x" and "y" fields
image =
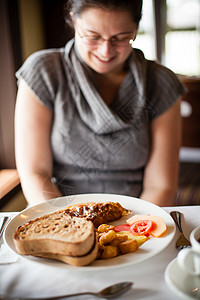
{"x": 115, "y": 41}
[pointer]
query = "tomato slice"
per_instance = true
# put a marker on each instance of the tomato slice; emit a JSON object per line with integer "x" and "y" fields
{"x": 122, "y": 227}
{"x": 142, "y": 227}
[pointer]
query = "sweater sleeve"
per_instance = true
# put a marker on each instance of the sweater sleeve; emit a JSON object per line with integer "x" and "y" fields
{"x": 163, "y": 89}
{"x": 41, "y": 73}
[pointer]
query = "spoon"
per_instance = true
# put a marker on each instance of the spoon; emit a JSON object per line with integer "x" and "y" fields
{"x": 107, "y": 293}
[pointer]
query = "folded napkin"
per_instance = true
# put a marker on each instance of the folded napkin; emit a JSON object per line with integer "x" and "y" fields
{"x": 6, "y": 255}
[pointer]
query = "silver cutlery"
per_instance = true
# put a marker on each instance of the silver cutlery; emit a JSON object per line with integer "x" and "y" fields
{"x": 6, "y": 255}
{"x": 107, "y": 293}
{"x": 3, "y": 225}
{"x": 182, "y": 241}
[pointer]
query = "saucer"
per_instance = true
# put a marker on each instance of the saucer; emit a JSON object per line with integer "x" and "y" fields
{"x": 183, "y": 285}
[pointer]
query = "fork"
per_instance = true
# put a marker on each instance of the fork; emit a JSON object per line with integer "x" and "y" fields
{"x": 182, "y": 241}
{"x": 3, "y": 225}
{"x": 6, "y": 255}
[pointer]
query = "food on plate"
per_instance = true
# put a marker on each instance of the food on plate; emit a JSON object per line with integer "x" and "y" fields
{"x": 140, "y": 239}
{"x": 69, "y": 234}
{"x": 143, "y": 227}
{"x": 107, "y": 252}
{"x": 122, "y": 227}
{"x": 105, "y": 228}
{"x": 107, "y": 237}
{"x": 112, "y": 243}
{"x": 73, "y": 260}
{"x": 120, "y": 238}
{"x": 59, "y": 236}
{"x": 98, "y": 213}
{"x": 128, "y": 246}
{"x": 146, "y": 224}
{"x": 79, "y": 234}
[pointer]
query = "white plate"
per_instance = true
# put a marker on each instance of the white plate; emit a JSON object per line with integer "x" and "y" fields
{"x": 152, "y": 247}
{"x": 183, "y": 285}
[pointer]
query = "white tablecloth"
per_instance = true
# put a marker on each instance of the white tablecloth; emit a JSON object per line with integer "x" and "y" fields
{"x": 26, "y": 278}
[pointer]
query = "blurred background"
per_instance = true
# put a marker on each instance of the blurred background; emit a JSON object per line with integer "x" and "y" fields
{"x": 169, "y": 32}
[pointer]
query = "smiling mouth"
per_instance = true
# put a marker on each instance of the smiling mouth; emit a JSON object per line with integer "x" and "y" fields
{"x": 104, "y": 59}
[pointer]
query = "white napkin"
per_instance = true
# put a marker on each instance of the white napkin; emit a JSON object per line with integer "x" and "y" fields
{"x": 6, "y": 255}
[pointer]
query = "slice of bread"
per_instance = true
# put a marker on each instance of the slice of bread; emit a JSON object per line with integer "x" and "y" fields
{"x": 56, "y": 234}
{"x": 73, "y": 260}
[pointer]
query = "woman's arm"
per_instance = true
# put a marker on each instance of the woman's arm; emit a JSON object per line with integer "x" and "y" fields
{"x": 161, "y": 172}
{"x": 32, "y": 146}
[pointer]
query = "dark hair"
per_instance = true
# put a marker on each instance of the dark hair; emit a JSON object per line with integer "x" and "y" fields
{"x": 79, "y": 6}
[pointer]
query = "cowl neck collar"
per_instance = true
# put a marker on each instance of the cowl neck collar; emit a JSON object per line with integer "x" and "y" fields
{"x": 94, "y": 112}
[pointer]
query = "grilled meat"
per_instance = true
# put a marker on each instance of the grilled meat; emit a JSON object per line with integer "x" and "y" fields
{"x": 98, "y": 213}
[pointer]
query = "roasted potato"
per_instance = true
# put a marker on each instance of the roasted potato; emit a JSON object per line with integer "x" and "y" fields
{"x": 140, "y": 239}
{"x": 119, "y": 239}
{"x": 128, "y": 246}
{"x": 109, "y": 251}
{"x": 112, "y": 244}
{"x": 107, "y": 237}
{"x": 105, "y": 228}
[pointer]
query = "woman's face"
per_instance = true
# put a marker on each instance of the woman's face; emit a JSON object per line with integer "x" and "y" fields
{"x": 93, "y": 31}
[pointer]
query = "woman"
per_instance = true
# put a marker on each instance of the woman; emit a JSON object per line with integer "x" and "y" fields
{"x": 96, "y": 116}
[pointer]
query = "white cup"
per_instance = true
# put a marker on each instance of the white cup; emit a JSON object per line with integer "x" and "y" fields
{"x": 189, "y": 258}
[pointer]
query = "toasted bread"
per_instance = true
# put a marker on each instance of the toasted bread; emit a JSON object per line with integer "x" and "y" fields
{"x": 73, "y": 260}
{"x": 56, "y": 234}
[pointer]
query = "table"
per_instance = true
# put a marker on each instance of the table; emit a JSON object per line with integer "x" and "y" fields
{"x": 26, "y": 278}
